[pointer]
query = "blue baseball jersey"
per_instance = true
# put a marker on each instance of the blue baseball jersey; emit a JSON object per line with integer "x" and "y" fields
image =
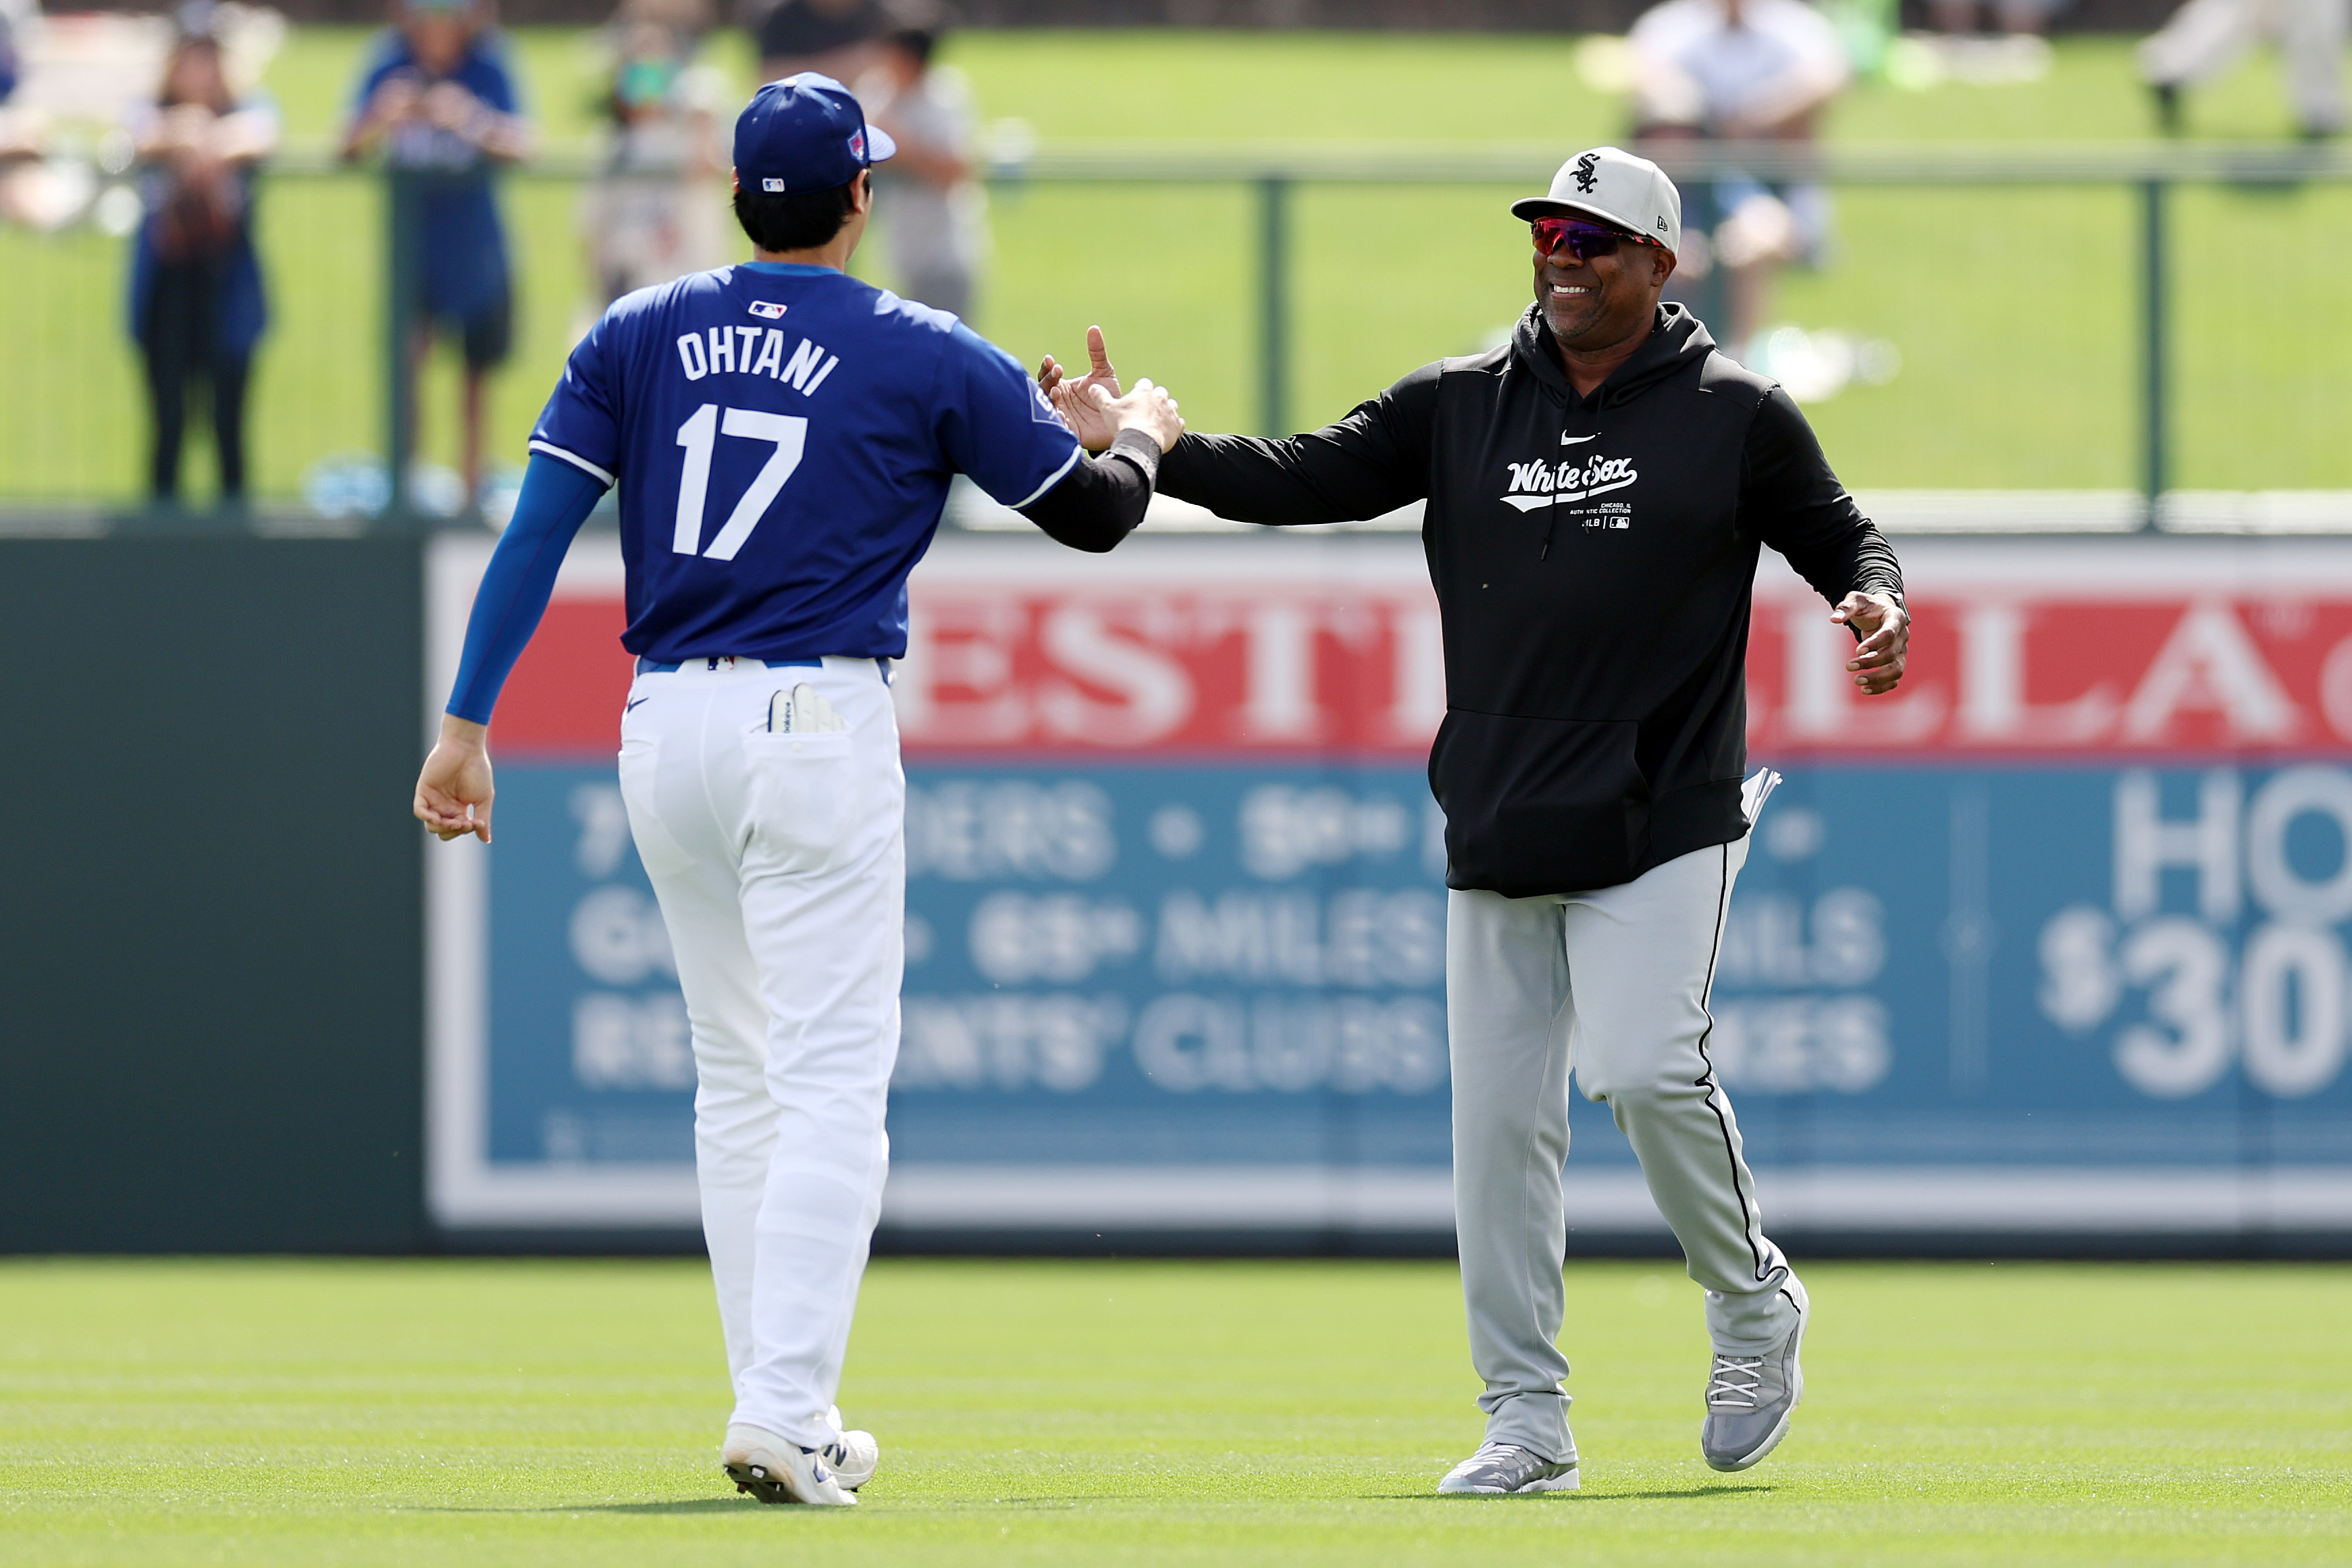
{"x": 783, "y": 437}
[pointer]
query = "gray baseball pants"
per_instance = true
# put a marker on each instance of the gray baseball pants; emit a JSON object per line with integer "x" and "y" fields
{"x": 1613, "y": 984}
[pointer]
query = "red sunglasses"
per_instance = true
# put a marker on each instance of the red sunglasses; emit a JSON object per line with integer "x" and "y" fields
{"x": 1585, "y": 240}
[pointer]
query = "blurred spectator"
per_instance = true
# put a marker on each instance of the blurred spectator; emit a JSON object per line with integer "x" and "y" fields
{"x": 652, "y": 214}
{"x": 196, "y": 306}
{"x": 437, "y": 96}
{"x": 835, "y": 38}
{"x": 2206, "y": 38}
{"x": 14, "y": 14}
{"x": 689, "y": 20}
{"x": 1958, "y": 17}
{"x": 1738, "y": 70}
{"x": 22, "y": 133}
{"x": 932, "y": 211}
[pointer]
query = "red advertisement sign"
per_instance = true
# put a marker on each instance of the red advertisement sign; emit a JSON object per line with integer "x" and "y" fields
{"x": 1287, "y": 648}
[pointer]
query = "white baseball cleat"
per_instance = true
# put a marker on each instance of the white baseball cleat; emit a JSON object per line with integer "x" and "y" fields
{"x": 853, "y": 1456}
{"x": 1498, "y": 1468}
{"x": 774, "y": 1470}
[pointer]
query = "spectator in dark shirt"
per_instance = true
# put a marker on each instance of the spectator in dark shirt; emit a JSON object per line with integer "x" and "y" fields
{"x": 438, "y": 97}
{"x": 832, "y": 37}
{"x": 197, "y": 308}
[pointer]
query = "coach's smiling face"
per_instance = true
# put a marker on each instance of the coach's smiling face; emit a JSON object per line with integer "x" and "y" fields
{"x": 1597, "y": 304}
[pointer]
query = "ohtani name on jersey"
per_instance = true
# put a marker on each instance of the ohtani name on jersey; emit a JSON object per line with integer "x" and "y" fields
{"x": 1543, "y": 483}
{"x": 755, "y": 350}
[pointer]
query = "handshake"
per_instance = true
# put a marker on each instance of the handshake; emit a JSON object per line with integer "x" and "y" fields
{"x": 1094, "y": 408}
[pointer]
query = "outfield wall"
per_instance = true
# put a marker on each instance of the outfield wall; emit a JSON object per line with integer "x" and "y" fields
{"x": 2051, "y": 945}
{"x": 2049, "y": 950}
{"x": 211, "y": 969}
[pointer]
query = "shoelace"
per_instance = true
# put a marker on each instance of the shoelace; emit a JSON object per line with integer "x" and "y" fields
{"x": 1736, "y": 1380}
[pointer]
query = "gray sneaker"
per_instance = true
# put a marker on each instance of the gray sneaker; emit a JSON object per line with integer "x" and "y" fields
{"x": 1749, "y": 1401}
{"x": 1499, "y": 1468}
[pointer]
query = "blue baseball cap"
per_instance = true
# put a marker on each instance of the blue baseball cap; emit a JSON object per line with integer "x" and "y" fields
{"x": 804, "y": 133}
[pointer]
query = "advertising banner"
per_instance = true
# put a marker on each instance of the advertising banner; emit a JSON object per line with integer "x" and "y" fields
{"x": 2053, "y": 940}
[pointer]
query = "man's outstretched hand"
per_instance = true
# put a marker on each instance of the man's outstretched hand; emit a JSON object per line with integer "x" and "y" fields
{"x": 1075, "y": 399}
{"x": 1884, "y": 628}
{"x": 1148, "y": 408}
{"x": 1094, "y": 406}
{"x": 453, "y": 793}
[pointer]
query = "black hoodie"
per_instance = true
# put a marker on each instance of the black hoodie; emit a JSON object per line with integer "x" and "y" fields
{"x": 1594, "y": 559}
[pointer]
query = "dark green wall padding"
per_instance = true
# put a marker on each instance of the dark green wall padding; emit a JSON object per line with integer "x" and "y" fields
{"x": 211, "y": 930}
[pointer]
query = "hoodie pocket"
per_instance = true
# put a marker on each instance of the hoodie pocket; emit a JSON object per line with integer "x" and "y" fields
{"x": 1539, "y": 806}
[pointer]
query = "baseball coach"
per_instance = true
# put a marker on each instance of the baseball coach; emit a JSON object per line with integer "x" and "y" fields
{"x": 1597, "y": 490}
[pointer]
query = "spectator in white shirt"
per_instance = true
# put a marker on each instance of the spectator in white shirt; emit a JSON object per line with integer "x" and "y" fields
{"x": 1740, "y": 70}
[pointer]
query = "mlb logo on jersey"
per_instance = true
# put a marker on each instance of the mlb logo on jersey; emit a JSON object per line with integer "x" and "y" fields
{"x": 767, "y": 309}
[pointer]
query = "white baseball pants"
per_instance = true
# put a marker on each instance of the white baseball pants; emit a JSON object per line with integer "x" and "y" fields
{"x": 780, "y": 863}
{"x": 1614, "y": 984}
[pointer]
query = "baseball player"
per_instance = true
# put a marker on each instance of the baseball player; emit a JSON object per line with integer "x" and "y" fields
{"x": 783, "y": 435}
{"x": 1597, "y": 490}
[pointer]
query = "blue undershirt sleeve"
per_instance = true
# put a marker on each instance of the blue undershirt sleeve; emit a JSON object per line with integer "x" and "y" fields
{"x": 556, "y": 499}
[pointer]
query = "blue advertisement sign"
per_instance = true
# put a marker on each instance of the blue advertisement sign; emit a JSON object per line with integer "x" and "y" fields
{"x": 1194, "y": 977}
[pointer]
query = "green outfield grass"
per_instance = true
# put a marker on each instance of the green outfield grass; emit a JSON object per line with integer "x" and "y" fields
{"x": 491, "y": 1413}
{"x": 2014, "y": 310}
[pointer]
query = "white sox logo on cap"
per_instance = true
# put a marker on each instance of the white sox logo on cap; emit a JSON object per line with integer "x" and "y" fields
{"x": 1612, "y": 185}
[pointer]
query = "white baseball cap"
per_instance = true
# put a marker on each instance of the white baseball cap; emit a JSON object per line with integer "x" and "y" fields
{"x": 1613, "y": 185}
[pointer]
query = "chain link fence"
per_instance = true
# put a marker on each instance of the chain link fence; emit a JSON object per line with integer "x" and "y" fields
{"x": 2101, "y": 328}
